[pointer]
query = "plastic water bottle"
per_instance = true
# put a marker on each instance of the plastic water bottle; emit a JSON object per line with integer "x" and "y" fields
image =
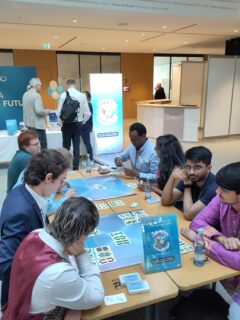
{"x": 88, "y": 164}
{"x": 199, "y": 249}
{"x": 147, "y": 189}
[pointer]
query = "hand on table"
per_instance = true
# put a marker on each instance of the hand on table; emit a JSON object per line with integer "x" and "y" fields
{"x": 231, "y": 243}
{"x": 118, "y": 161}
{"x": 72, "y": 315}
{"x": 188, "y": 233}
{"x": 131, "y": 173}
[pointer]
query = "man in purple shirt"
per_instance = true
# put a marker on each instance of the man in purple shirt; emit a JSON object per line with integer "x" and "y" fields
{"x": 221, "y": 223}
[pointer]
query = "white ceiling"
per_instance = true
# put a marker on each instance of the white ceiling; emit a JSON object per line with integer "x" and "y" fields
{"x": 29, "y": 24}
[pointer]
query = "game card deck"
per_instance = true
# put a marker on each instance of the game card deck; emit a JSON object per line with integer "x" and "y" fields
{"x": 129, "y": 277}
{"x": 104, "y": 255}
{"x": 137, "y": 287}
{"x": 153, "y": 200}
{"x": 119, "y": 238}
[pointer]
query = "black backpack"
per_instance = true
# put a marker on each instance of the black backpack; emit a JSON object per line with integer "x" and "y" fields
{"x": 70, "y": 109}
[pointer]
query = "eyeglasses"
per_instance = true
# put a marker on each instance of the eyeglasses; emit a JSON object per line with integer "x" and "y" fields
{"x": 35, "y": 144}
{"x": 63, "y": 182}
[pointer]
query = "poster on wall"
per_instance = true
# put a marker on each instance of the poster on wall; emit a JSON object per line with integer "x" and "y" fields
{"x": 106, "y": 91}
{"x": 13, "y": 84}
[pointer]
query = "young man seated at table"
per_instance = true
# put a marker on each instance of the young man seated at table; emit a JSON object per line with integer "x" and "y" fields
{"x": 220, "y": 221}
{"x": 45, "y": 281}
{"x": 28, "y": 144}
{"x": 24, "y": 208}
{"x": 141, "y": 153}
{"x": 197, "y": 184}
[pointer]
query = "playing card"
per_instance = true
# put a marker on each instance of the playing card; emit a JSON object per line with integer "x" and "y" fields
{"x": 104, "y": 255}
{"x": 115, "y": 299}
{"x": 184, "y": 247}
{"x": 119, "y": 238}
{"x": 95, "y": 232}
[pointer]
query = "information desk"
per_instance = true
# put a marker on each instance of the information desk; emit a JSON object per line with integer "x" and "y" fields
{"x": 160, "y": 119}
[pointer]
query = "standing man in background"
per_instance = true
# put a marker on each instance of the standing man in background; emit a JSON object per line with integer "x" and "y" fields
{"x": 88, "y": 127}
{"x": 160, "y": 93}
{"x": 33, "y": 111}
{"x": 72, "y": 131}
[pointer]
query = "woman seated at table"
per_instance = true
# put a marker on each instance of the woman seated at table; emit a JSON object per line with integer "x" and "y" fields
{"x": 171, "y": 155}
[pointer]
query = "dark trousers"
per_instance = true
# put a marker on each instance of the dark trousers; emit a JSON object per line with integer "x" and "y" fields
{"x": 71, "y": 133}
{"x": 86, "y": 139}
{"x": 5, "y": 287}
{"x": 41, "y": 136}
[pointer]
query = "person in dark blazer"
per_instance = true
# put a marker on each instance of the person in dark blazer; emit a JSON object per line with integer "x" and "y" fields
{"x": 24, "y": 208}
{"x": 160, "y": 93}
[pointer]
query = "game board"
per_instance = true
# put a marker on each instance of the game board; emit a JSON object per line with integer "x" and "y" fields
{"x": 117, "y": 241}
{"x": 100, "y": 188}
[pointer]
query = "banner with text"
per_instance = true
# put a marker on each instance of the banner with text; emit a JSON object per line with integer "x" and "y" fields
{"x": 13, "y": 84}
{"x": 106, "y": 91}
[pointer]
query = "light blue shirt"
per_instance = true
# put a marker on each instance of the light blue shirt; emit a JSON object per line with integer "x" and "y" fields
{"x": 144, "y": 160}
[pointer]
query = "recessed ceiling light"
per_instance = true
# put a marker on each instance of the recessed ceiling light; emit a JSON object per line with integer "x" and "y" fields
{"x": 126, "y": 40}
{"x": 75, "y": 21}
{"x": 185, "y": 42}
{"x": 122, "y": 24}
{"x": 103, "y": 48}
{"x": 198, "y": 51}
{"x": 236, "y": 31}
{"x": 143, "y": 34}
{"x": 55, "y": 37}
{"x": 154, "y": 50}
{"x": 164, "y": 27}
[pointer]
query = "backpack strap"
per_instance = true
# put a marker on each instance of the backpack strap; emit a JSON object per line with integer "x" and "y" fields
{"x": 67, "y": 93}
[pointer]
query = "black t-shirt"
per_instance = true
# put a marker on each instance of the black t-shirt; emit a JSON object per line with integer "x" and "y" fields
{"x": 205, "y": 193}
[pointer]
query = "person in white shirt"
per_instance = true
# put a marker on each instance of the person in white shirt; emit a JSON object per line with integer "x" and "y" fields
{"x": 57, "y": 273}
{"x": 72, "y": 131}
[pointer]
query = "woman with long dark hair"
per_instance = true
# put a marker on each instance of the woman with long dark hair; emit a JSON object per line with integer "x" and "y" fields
{"x": 171, "y": 155}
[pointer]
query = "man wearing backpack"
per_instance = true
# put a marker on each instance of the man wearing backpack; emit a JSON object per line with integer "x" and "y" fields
{"x": 74, "y": 112}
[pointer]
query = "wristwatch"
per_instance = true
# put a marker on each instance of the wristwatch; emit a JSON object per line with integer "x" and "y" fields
{"x": 187, "y": 185}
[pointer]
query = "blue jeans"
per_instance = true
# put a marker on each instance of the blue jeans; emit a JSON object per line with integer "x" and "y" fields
{"x": 234, "y": 311}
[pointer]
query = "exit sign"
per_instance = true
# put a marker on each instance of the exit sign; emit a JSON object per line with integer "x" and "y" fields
{"x": 46, "y": 46}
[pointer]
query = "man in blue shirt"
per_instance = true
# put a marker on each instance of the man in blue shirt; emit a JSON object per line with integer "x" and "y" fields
{"x": 195, "y": 184}
{"x": 141, "y": 153}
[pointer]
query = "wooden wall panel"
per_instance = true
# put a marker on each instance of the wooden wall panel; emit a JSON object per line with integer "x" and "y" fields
{"x": 137, "y": 71}
{"x": 46, "y": 65}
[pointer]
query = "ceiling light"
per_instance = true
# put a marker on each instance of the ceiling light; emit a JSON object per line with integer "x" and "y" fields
{"x": 75, "y": 21}
{"x": 55, "y": 37}
{"x": 185, "y": 42}
{"x": 143, "y": 34}
{"x": 236, "y": 31}
{"x": 126, "y": 40}
{"x": 164, "y": 27}
{"x": 103, "y": 48}
{"x": 154, "y": 50}
{"x": 198, "y": 51}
